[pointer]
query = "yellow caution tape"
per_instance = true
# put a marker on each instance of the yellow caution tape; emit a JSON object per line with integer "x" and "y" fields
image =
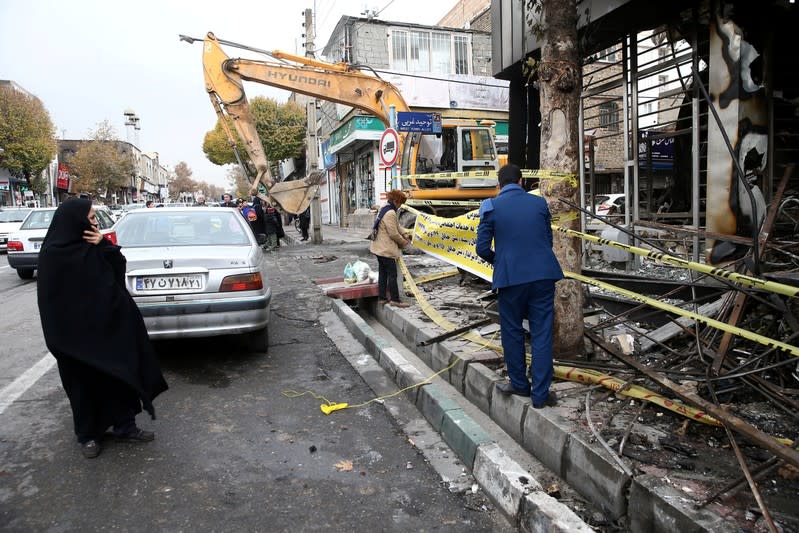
{"x": 750, "y": 281}
{"x": 492, "y": 173}
{"x": 766, "y": 341}
{"x": 587, "y": 376}
{"x": 461, "y": 203}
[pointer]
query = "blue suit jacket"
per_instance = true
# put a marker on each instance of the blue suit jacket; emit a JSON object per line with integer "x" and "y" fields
{"x": 519, "y": 224}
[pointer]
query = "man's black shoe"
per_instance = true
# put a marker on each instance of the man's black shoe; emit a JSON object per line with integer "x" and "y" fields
{"x": 507, "y": 388}
{"x": 137, "y": 435}
{"x": 551, "y": 401}
{"x": 90, "y": 449}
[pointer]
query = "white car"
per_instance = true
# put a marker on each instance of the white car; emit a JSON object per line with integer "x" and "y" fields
{"x": 196, "y": 272}
{"x": 606, "y": 205}
{"x": 10, "y": 220}
{"x": 24, "y": 244}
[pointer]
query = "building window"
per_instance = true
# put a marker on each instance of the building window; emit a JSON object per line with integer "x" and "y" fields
{"x": 461, "y": 54}
{"x": 663, "y": 54}
{"x": 663, "y": 81}
{"x": 441, "y": 60}
{"x": 609, "y": 116}
{"x": 399, "y": 50}
{"x": 608, "y": 54}
{"x": 429, "y": 51}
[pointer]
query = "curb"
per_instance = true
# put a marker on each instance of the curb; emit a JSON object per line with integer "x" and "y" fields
{"x": 511, "y": 488}
{"x": 643, "y": 501}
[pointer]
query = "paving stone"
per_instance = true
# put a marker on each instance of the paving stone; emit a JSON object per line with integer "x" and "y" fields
{"x": 541, "y": 513}
{"x": 508, "y": 410}
{"x": 502, "y": 479}
{"x": 545, "y": 434}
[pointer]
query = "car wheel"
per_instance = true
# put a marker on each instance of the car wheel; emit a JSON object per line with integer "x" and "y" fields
{"x": 25, "y": 273}
{"x": 258, "y": 341}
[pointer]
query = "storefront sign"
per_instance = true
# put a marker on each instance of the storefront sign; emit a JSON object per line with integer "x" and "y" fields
{"x": 62, "y": 179}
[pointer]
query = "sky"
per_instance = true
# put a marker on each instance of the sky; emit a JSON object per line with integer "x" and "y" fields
{"x": 91, "y": 60}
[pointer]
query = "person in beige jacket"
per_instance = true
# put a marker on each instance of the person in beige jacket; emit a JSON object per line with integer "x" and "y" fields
{"x": 387, "y": 245}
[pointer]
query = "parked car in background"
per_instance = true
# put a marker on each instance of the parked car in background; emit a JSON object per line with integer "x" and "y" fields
{"x": 10, "y": 220}
{"x": 606, "y": 205}
{"x": 24, "y": 244}
{"x": 196, "y": 272}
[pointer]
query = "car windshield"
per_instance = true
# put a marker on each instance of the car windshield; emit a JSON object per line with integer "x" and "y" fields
{"x": 13, "y": 215}
{"x": 38, "y": 219}
{"x": 160, "y": 227}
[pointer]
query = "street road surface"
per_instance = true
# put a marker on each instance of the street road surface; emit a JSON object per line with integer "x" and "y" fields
{"x": 231, "y": 452}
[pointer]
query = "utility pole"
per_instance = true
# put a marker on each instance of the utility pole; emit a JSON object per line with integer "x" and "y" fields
{"x": 311, "y": 144}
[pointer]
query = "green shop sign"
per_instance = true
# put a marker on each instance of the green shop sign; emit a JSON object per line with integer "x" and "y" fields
{"x": 355, "y": 124}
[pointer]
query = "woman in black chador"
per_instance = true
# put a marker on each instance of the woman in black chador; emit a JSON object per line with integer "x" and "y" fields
{"x": 94, "y": 329}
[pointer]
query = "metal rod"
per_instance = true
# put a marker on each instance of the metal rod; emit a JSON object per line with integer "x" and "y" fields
{"x": 455, "y": 332}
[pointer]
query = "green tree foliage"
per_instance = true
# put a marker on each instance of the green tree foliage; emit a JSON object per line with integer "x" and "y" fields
{"x": 101, "y": 165}
{"x": 217, "y": 148}
{"x": 182, "y": 182}
{"x": 281, "y": 128}
{"x": 26, "y": 137}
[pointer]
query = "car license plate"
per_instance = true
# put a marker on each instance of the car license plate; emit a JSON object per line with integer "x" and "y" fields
{"x": 186, "y": 282}
{"x": 37, "y": 245}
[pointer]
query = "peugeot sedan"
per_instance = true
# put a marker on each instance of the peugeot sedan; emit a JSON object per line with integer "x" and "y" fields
{"x": 24, "y": 244}
{"x": 196, "y": 272}
{"x": 10, "y": 221}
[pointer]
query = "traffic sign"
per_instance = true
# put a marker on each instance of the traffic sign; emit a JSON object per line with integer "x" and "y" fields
{"x": 389, "y": 147}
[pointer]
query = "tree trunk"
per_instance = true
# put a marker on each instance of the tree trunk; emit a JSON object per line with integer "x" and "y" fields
{"x": 560, "y": 82}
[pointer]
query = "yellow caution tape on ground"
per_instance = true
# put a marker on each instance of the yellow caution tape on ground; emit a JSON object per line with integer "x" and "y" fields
{"x": 749, "y": 281}
{"x": 592, "y": 377}
{"x": 766, "y": 341}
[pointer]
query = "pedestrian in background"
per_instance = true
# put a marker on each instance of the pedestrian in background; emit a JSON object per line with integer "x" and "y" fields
{"x": 305, "y": 222}
{"x": 387, "y": 246}
{"x": 94, "y": 329}
{"x": 227, "y": 201}
{"x": 200, "y": 202}
{"x": 525, "y": 272}
{"x": 271, "y": 224}
{"x": 149, "y": 204}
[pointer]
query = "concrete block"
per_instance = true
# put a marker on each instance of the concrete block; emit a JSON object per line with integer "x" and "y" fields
{"x": 433, "y": 404}
{"x": 409, "y": 331}
{"x": 599, "y": 477}
{"x": 390, "y": 359}
{"x": 457, "y": 374}
{"x": 545, "y": 434}
{"x": 508, "y": 410}
{"x": 463, "y": 435}
{"x": 440, "y": 358}
{"x": 478, "y": 386}
{"x": 408, "y": 377}
{"x": 541, "y": 513}
{"x": 504, "y": 481}
{"x": 658, "y": 507}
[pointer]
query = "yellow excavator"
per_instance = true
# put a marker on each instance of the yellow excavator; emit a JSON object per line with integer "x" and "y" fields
{"x": 461, "y": 146}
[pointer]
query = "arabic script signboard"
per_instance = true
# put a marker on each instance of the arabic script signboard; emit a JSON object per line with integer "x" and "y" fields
{"x": 422, "y": 122}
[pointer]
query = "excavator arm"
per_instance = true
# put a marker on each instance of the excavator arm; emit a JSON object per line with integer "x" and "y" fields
{"x": 334, "y": 82}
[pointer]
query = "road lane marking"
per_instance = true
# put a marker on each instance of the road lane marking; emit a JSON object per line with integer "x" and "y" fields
{"x": 17, "y": 388}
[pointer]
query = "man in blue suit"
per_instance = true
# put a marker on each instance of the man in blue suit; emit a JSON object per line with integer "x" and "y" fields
{"x": 525, "y": 272}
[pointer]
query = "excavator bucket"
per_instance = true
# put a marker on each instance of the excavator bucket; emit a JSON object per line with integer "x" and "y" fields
{"x": 295, "y": 196}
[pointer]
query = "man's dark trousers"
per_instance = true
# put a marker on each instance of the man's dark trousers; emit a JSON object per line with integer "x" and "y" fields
{"x": 535, "y": 302}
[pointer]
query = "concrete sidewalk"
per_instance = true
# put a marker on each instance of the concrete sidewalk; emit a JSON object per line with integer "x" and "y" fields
{"x": 330, "y": 235}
